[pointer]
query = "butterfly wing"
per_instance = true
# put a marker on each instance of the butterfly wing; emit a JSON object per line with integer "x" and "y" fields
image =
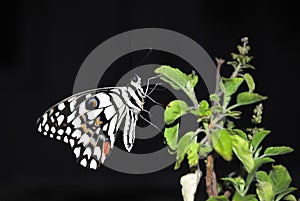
{"x": 129, "y": 129}
{"x": 88, "y": 122}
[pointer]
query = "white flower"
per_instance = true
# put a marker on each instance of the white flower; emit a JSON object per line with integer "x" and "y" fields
{"x": 189, "y": 183}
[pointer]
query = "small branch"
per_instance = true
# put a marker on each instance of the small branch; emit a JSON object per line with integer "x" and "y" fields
{"x": 211, "y": 183}
{"x": 227, "y": 193}
{"x": 220, "y": 62}
{"x": 209, "y": 176}
{"x": 214, "y": 184}
{"x": 236, "y": 71}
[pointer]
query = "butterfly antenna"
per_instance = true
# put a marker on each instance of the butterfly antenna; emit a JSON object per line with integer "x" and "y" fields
{"x": 148, "y": 83}
{"x": 145, "y": 57}
{"x": 149, "y": 122}
{"x": 129, "y": 50}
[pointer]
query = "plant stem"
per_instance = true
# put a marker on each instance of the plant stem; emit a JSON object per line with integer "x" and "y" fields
{"x": 211, "y": 183}
{"x": 220, "y": 62}
{"x": 236, "y": 71}
{"x": 227, "y": 194}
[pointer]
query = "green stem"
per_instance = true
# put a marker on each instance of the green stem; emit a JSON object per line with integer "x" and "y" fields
{"x": 232, "y": 107}
{"x": 249, "y": 179}
{"x": 216, "y": 120}
{"x": 236, "y": 71}
{"x": 193, "y": 99}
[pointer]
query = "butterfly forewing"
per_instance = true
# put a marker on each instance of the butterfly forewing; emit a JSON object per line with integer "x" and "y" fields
{"x": 89, "y": 121}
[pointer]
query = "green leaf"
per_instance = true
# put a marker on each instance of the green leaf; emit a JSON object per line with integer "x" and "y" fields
{"x": 171, "y": 136}
{"x": 217, "y": 109}
{"x": 230, "y": 125}
{"x": 241, "y": 183}
{"x": 238, "y": 197}
{"x": 248, "y": 66}
{"x": 193, "y": 80}
{"x": 273, "y": 151}
{"x": 203, "y": 109}
{"x": 214, "y": 97}
{"x": 208, "y": 112}
{"x": 192, "y": 154}
{"x": 246, "y": 98}
{"x": 234, "y": 114}
{"x": 290, "y": 198}
{"x": 218, "y": 198}
{"x": 284, "y": 193}
{"x": 233, "y": 181}
{"x": 241, "y": 149}
{"x": 179, "y": 80}
{"x": 203, "y": 105}
{"x": 204, "y": 151}
{"x": 176, "y": 78}
{"x": 280, "y": 178}
{"x": 231, "y": 85}
{"x": 234, "y": 56}
{"x": 262, "y": 176}
{"x": 242, "y": 50}
{"x": 264, "y": 191}
{"x": 260, "y": 161}
{"x": 233, "y": 63}
{"x": 258, "y": 137}
{"x": 178, "y": 162}
{"x": 257, "y": 163}
{"x": 174, "y": 110}
{"x": 174, "y": 85}
{"x": 222, "y": 143}
{"x": 257, "y": 152}
{"x": 183, "y": 144}
{"x": 222, "y": 86}
{"x": 240, "y": 133}
{"x": 250, "y": 82}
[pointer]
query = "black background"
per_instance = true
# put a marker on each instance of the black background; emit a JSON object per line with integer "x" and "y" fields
{"x": 43, "y": 44}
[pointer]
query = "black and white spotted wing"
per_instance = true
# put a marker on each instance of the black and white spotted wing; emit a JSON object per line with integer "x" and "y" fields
{"x": 90, "y": 120}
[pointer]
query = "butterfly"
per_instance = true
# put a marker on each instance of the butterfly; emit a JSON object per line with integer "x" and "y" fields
{"x": 89, "y": 121}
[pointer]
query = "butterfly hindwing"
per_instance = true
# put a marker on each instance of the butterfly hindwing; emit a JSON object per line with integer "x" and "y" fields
{"x": 129, "y": 129}
{"x": 88, "y": 122}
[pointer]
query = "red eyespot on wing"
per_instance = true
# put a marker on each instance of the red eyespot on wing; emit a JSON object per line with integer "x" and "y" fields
{"x": 106, "y": 148}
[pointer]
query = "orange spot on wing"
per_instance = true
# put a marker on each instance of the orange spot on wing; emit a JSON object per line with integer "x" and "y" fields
{"x": 106, "y": 148}
{"x": 98, "y": 121}
{"x": 94, "y": 102}
{"x": 84, "y": 128}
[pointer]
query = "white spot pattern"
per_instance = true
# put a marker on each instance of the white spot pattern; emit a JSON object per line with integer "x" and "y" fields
{"x": 83, "y": 162}
{"x": 66, "y": 139}
{"x": 71, "y": 142}
{"x": 77, "y": 151}
{"x": 61, "y": 106}
{"x": 60, "y": 131}
{"x": 68, "y": 131}
{"x": 93, "y": 164}
{"x": 60, "y": 119}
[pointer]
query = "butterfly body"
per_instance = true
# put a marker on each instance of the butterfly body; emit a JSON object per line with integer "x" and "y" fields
{"x": 89, "y": 121}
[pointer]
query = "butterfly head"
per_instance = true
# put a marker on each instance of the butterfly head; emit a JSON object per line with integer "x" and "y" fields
{"x": 136, "y": 82}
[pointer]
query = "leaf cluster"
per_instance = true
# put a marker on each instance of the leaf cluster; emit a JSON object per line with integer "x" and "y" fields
{"x": 216, "y": 118}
